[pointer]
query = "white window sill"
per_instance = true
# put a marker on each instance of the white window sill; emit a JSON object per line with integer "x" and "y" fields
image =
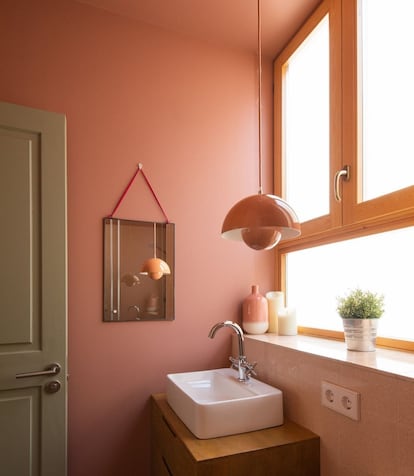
{"x": 387, "y": 361}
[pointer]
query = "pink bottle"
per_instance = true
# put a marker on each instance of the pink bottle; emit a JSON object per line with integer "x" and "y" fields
{"x": 255, "y": 312}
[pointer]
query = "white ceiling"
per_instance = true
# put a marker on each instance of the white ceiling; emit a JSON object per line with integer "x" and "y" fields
{"x": 231, "y": 23}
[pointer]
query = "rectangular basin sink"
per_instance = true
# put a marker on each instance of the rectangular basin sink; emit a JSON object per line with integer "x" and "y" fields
{"x": 213, "y": 403}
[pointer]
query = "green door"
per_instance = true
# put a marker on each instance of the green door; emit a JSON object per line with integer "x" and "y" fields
{"x": 33, "y": 297}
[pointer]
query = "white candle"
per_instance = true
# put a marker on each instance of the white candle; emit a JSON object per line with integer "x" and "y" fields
{"x": 287, "y": 322}
{"x": 276, "y": 301}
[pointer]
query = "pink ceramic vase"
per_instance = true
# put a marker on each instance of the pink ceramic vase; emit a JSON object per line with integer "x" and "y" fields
{"x": 255, "y": 312}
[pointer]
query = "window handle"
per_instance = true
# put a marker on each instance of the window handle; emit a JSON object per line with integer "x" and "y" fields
{"x": 344, "y": 174}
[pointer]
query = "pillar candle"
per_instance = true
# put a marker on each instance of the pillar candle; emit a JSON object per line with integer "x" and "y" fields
{"x": 287, "y": 322}
{"x": 276, "y": 301}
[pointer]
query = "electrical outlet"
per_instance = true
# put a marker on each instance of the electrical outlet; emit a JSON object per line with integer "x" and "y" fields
{"x": 341, "y": 400}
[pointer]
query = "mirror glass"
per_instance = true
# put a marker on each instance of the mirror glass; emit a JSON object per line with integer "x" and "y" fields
{"x": 129, "y": 295}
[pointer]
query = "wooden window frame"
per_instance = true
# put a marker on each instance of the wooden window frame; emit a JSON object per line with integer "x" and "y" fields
{"x": 350, "y": 218}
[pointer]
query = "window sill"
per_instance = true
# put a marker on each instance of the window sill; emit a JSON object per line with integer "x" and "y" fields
{"x": 385, "y": 361}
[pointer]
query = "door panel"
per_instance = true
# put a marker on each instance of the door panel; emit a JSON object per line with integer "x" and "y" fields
{"x": 20, "y": 216}
{"x": 19, "y": 412}
{"x": 32, "y": 290}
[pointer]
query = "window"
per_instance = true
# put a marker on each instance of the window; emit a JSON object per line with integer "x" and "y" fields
{"x": 343, "y": 98}
{"x": 306, "y": 90}
{"x": 317, "y": 275}
{"x": 386, "y": 118}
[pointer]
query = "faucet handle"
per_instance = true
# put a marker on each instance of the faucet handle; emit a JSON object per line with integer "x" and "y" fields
{"x": 234, "y": 363}
{"x": 250, "y": 368}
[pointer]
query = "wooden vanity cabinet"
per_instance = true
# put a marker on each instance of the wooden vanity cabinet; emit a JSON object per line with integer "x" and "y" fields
{"x": 287, "y": 450}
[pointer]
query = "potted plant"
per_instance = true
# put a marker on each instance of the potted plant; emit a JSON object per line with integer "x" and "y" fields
{"x": 360, "y": 311}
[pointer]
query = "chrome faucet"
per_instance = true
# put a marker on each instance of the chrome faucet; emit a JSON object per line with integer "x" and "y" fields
{"x": 240, "y": 364}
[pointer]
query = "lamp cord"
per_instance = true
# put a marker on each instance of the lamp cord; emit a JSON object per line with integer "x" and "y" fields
{"x": 155, "y": 240}
{"x": 259, "y": 53}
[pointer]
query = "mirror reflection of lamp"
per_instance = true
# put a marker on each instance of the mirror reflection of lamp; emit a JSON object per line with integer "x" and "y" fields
{"x": 155, "y": 267}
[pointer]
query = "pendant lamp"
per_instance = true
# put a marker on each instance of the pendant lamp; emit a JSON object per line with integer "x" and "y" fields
{"x": 155, "y": 267}
{"x": 261, "y": 221}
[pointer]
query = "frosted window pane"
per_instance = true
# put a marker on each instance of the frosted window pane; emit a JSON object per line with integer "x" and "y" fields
{"x": 306, "y": 125}
{"x": 381, "y": 263}
{"x": 387, "y": 96}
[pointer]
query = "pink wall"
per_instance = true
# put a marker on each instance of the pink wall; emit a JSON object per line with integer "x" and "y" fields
{"x": 187, "y": 110}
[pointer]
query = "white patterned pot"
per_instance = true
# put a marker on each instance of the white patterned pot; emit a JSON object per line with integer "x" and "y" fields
{"x": 360, "y": 334}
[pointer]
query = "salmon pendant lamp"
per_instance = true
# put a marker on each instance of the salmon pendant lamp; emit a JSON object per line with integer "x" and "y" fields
{"x": 261, "y": 220}
{"x": 155, "y": 267}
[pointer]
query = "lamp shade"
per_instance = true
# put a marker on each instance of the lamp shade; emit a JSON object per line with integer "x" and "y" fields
{"x": 261, "y": 221}
{"x": 155, "y": 268}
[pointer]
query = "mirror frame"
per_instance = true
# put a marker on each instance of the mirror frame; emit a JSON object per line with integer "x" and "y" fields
{"x": 129, "y": 296}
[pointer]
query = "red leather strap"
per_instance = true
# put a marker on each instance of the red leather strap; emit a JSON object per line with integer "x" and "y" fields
{"x": 129, "y": 186}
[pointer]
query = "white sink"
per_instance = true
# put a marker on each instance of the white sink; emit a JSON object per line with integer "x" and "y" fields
{"x": 214, "y": 403}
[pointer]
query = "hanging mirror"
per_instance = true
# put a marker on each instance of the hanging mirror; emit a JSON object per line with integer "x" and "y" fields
{"x": 129, "y": 295}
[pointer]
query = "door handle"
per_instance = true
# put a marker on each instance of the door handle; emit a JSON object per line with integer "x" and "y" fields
{"x": 53, "y": 369}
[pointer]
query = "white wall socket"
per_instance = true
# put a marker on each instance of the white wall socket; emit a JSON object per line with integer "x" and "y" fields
{"x": 341, "y": 400}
